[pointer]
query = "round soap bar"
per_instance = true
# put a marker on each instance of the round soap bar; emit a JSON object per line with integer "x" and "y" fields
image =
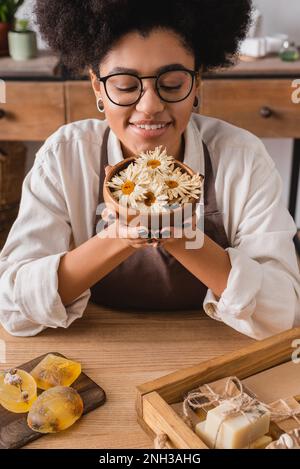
{"x": 55, "y": 409}
{"x": 17, "y": 390}
{"x": 55, "y": 371}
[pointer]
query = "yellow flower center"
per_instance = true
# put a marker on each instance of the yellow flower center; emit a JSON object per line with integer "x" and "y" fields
{"x": 128, "y": 187}
{"x": 153, "y": 163}
{"x": 150, "y": 199}
{"x": 172, "y": 184}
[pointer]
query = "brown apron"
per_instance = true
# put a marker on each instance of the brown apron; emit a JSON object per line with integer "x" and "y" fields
{"x": 151, "y": 278}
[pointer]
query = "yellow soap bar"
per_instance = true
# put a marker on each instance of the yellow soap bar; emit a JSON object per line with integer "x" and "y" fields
{"x": 260, "y": 443}
{"x": 239, "y": 430}
{"x": 17, "y": 390}
{"x": 55, "y": 409}
{"x": 55, "y": 371}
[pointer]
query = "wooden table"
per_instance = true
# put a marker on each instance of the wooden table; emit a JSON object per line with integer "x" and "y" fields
{"x": 120, "y": 350}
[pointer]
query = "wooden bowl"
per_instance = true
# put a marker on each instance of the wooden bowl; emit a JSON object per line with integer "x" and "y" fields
{"x": 154, "y": 220}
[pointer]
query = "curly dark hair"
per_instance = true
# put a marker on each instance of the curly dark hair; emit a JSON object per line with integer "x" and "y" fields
{"x": 83, "y": 32}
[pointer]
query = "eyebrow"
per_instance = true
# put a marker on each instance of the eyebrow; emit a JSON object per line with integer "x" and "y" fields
{"x": 164, "y": 68}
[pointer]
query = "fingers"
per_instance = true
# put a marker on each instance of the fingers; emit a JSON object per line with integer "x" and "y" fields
{"x": 108, "y": 215}
{"x": 132, "y": 232}
{"x": 107, "y": 169}
{"x": 136, "y": 236}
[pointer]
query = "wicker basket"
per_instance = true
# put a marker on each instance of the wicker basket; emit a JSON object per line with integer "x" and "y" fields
{"x": 12, "y": 171}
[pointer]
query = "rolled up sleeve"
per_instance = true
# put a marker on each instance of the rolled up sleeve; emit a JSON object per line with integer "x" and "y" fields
{"x": 29, "y": 260}
{"x": 262, "y": 296}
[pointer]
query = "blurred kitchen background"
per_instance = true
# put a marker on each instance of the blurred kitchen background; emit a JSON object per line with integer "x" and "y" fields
{"x": 278, "y": 17}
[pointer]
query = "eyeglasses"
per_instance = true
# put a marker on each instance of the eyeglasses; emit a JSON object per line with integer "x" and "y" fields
{"x": 126, "y": 89}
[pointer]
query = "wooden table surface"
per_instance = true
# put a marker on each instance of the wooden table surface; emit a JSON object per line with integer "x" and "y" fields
{"x": 120, "y": 350}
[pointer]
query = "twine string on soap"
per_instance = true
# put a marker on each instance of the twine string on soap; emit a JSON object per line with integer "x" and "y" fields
{"x": 240, "y": 403}
{"x": 200, "y": 399}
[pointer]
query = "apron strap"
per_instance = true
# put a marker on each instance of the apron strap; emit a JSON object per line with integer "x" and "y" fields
{"x": 103, "y": 164}
{"x": 210, "y": 201}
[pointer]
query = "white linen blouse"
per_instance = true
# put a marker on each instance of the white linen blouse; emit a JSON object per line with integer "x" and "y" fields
{"x": 58, "y": 204}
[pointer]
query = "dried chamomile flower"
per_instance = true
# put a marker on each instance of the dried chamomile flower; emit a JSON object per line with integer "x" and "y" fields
{"x": 188, "y": 188}
{"x": 129, "y": 185}
{"x": 154, "y": 200}
{"x": 55, "y": 410}
{"x": 156, "y": 161}
{"x": 176, "y": 184}
{"x": 18, "y": 390}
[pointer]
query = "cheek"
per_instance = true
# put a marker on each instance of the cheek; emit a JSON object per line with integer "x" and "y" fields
{"x": 183, "y": 113}
{"x": 117, "y": 118}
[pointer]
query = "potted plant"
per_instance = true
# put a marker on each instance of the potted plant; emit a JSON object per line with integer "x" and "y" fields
{"x": 8, "y": 9}
{"x": 22, "y": 42}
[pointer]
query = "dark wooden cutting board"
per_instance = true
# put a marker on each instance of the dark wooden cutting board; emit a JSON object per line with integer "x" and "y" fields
{"x": 14, "y": 431}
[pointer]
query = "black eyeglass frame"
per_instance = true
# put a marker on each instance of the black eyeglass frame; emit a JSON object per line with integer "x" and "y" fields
{"x": 194, "y": 74}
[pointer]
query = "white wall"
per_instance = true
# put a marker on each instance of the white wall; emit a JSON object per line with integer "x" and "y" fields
{"x": 25, "y": 11}
{"x": 282, "y": 16}
{"x": 279, "y": 16}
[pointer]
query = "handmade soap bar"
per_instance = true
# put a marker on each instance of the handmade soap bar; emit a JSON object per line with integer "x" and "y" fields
{"x": 55, "y": 371}
{"x": 238, "y": 430}
{"x": 17, "y": 390}
{"x": 55, "y": 409}
{"x": 260, "y": 443}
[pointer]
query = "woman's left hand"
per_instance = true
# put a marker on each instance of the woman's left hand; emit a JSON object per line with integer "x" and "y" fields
{"x": 171, "y": 233}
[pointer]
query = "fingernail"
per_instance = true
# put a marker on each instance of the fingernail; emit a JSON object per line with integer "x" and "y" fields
{"x": 155, "y": 234}
{"x": 143, "y": 233}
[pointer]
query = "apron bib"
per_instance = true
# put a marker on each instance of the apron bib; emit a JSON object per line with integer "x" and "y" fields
{"x": 151, "y": 278}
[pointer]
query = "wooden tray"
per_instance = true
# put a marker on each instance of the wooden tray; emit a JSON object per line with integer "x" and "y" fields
{"x": 14, "y": 431}
{"x": 154, "y": 399}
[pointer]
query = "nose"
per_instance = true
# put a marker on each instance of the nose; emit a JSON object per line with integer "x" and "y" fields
{"x": 150, "y": 103}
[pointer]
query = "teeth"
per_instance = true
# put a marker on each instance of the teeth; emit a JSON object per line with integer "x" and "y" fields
{"x": 151, "y": 127}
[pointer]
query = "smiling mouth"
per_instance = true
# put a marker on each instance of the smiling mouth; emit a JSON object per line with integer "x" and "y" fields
{"x": 150, "y": 126}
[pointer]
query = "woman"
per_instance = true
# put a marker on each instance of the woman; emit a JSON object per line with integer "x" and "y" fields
{"x": 54, "y": 261}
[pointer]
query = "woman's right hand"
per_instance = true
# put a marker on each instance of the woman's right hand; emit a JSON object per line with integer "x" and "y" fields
{"x": 134, "y": 236}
